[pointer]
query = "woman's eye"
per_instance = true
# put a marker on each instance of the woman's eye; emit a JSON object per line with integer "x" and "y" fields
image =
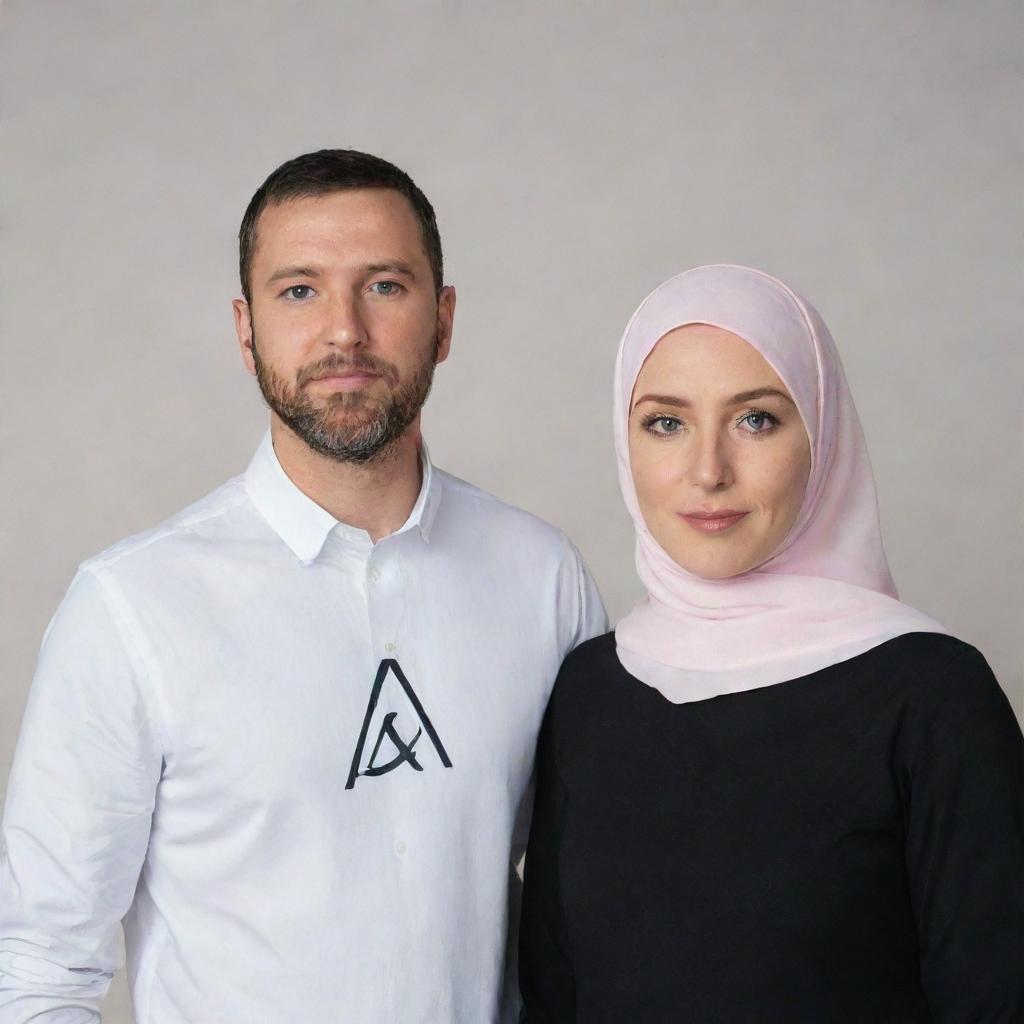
{"x": 386, "y": 287}
{"x": 759, "y": 422}
{"x": 663, "y": 425}
{"x": 298, "y": 291}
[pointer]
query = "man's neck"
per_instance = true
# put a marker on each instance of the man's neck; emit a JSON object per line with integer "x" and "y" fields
{"x": 376, "y": 496}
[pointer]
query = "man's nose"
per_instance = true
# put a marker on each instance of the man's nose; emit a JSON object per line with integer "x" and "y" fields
{"x": 344, "y": 326}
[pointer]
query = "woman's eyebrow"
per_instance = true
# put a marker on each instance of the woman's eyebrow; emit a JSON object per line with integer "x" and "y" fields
{"x": 739, "y": 399}
{"x": 751, "y": 396}
{"x": 679, "y": 403}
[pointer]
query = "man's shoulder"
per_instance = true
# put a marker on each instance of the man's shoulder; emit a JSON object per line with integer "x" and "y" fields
{"x": 195, "y": 524}
{"x": 465, "y": 500}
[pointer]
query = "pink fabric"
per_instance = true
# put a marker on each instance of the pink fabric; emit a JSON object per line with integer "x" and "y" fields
{"x": 827, "y": 591}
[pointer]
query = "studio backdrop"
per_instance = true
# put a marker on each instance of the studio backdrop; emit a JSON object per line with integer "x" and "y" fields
{"x": 577, "y": 154}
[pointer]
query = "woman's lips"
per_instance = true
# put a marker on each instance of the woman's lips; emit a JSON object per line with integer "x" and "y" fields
{"x": 713, "y": 522}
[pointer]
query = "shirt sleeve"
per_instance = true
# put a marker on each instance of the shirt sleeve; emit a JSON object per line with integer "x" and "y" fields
{"x": 592, "y": 619}
{"x": 546, "y": 979}
{"x": 77, "y": 817}
{"x": 962, "y": 782}
{"x": 520, "y": 832}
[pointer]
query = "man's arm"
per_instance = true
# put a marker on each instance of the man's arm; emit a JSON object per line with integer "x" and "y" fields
{"x": 77, "y": 819}
{"x": 592, "y": 619}
{"x": 587, "y": 619}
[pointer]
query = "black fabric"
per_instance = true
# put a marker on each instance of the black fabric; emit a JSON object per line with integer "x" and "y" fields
{"x": 847, "y": 846}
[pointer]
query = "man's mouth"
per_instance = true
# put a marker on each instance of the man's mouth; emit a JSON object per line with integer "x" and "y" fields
{"x": 346, "y": 380}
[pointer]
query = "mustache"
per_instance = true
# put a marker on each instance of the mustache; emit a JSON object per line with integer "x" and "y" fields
{"x": 363, "y": 363}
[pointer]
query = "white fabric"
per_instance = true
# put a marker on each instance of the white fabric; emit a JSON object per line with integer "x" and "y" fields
{"x": 190, "y": 735}
{"x": 826, "y": 594}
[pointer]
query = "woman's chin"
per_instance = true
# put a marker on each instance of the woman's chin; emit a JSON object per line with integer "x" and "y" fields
{"x": 715, "y": 568}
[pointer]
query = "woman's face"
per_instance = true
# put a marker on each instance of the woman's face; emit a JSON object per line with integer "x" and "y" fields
{"x": 719, "y": 453}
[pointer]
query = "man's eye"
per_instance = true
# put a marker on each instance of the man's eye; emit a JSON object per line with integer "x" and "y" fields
{"x": 298, "y": 291}
{"x": 385, "y": 287}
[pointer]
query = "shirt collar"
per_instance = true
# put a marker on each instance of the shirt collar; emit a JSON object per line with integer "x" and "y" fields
{"x": 304, "y": 526}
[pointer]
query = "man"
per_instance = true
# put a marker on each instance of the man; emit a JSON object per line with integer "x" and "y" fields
{"x": 287, "y": 735}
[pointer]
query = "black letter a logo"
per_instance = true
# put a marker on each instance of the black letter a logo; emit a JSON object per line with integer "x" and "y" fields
{"x": 405, "y": 750}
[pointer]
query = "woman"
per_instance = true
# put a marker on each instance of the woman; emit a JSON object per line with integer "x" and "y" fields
{"x": 775, "y": 793}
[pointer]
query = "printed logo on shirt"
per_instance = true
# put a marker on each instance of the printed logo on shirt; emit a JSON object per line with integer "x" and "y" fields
{"x": 391, "y": 717}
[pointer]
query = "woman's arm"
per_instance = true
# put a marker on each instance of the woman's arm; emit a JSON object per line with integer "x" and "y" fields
{"x": 961, "y": 760}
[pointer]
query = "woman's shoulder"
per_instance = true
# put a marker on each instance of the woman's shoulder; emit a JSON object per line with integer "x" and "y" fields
{"x": 947, "y": 679}
{"x": 932, "y": 660}
{"x": 928, "y": 657}
{"x": 590, "y": 664}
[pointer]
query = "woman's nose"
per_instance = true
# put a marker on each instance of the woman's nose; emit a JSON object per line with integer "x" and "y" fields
{"x": 710, "y": 466}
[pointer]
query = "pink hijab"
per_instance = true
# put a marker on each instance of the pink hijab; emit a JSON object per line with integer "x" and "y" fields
{"x": 826, "y": 594}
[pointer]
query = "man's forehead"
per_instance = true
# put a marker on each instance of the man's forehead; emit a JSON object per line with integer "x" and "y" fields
{"x": 340, "y": 220}
{"x": 356, "y": 205}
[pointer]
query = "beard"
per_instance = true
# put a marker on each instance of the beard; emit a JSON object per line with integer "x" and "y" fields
{"x": 348, "y": 426}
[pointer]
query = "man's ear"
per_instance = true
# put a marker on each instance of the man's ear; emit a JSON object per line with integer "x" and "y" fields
{"x": 243, "y": 329}
{"x": 445, "y": 321}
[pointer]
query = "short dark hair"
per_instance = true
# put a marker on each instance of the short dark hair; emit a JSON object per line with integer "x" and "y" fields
{"x": 335, "y": 170}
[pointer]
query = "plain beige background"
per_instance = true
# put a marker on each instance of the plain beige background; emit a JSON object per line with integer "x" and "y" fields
{"x": 577, "y": 154}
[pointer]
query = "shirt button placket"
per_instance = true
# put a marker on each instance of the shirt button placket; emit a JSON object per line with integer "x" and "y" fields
{"x": 380, "y": 609}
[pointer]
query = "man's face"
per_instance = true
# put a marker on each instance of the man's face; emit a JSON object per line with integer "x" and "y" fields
{"x": 344, "y": 327}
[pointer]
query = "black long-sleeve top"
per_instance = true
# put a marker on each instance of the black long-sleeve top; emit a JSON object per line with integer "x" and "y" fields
{"x": 847, "y": 846}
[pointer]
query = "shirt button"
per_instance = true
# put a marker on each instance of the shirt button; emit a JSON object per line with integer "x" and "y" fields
{"x": 374, "y": 575}
{"x": 390, "y": 647}
{"x": 400, "y": 847}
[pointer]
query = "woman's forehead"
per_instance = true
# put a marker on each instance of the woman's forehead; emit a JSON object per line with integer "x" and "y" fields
{"x": 744, "y": 303}
{"x": 705, "y": 358}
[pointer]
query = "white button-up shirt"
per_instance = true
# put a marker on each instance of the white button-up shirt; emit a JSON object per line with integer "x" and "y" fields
{"x": 295, "y": 762}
